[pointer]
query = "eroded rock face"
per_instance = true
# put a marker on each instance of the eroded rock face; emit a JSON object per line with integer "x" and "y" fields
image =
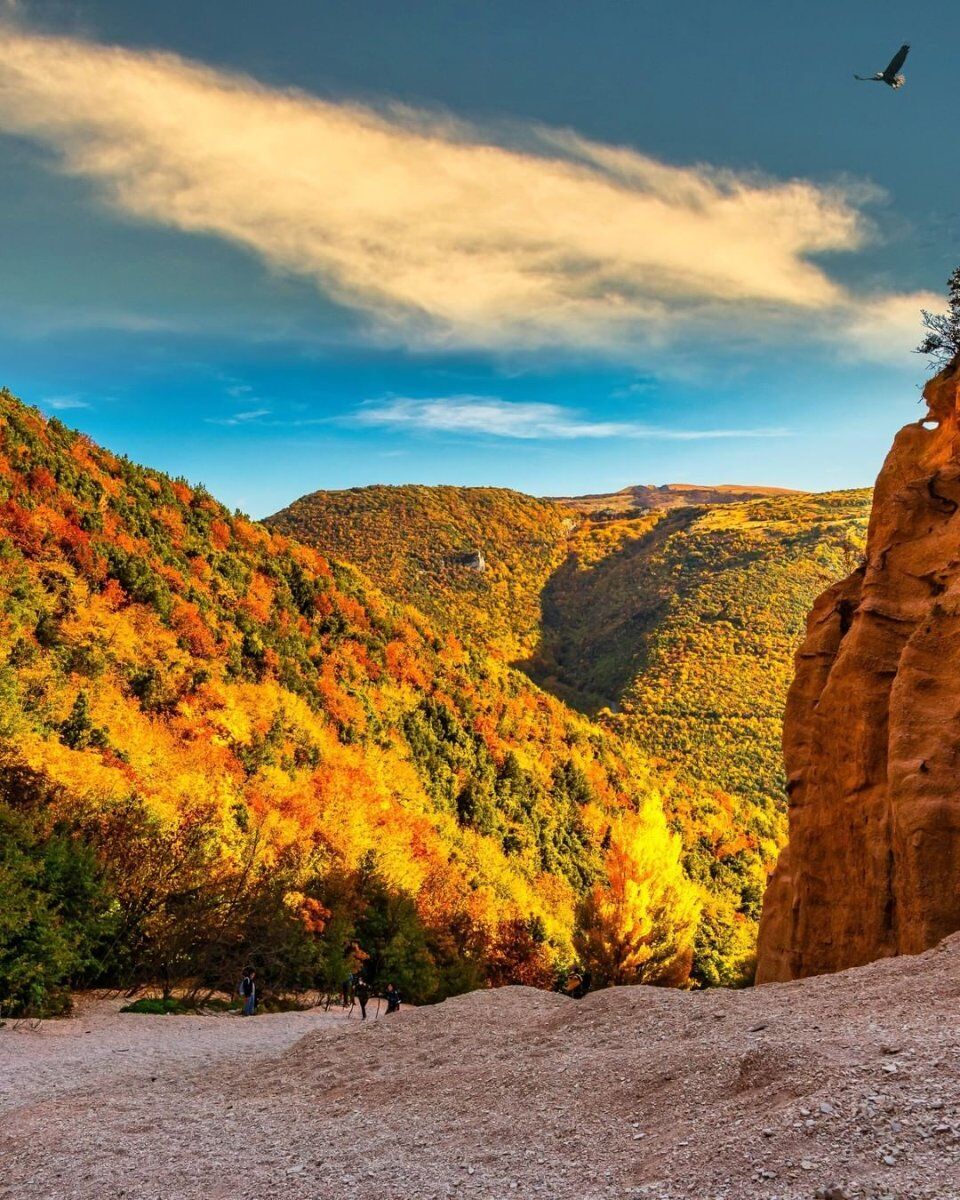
{"x": 872, "y": 729}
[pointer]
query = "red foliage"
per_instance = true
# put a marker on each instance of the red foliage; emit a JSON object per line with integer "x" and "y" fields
{"x": 220, "y": 534}
{"x": 42, "y": 482}
{"x": 192, "y": 631}
{"x": 21, "y": 527}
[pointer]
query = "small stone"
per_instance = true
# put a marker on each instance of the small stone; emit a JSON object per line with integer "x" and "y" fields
{"x": 890, "y": 1160}
{"x": 806, "y": 1164}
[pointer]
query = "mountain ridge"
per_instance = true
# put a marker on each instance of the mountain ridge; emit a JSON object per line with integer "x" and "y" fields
{"x": 651, "y": 496}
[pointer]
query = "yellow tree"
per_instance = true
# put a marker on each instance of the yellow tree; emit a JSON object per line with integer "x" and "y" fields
{"x": 637, "y": 926}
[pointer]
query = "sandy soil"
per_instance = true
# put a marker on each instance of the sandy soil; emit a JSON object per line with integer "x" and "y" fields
{"x": 846, "y": 1086}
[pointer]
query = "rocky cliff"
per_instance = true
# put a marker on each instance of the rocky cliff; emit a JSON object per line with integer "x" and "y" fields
{"x": 872, "y": 729}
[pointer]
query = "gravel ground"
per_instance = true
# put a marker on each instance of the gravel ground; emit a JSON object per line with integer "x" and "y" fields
{"x": 845, "y": 1086}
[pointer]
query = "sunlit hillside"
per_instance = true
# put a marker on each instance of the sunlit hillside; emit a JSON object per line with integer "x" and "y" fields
{"x": 675, "y": 627}
{"x": 687, "y": 622}
{"x": 216, "y": 743}
{"x": 422, "y": 544}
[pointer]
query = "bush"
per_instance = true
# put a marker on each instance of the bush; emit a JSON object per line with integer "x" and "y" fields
{"x": 55, "y": 917}
{"x": 942, "y": 341}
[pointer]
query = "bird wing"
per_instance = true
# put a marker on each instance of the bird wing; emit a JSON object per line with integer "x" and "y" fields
{"x": 898, "y": 60}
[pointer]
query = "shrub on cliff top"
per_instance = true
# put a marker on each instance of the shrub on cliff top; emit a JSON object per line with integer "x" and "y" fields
{"x": 942, "y": 341}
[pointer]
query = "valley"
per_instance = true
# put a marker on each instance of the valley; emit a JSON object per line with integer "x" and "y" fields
{"x": 674, "y": 628}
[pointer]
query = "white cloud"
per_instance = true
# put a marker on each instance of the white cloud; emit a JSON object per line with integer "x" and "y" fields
{"x": 492, "y": 417}
{"x": 251, "y": 416}
{"x": 880, "y": 328}
{"x": 62, "y": 403}
{"x": 440, "y": 232}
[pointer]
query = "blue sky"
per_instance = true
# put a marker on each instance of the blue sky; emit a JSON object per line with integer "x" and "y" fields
{"x": 561, "y": 247}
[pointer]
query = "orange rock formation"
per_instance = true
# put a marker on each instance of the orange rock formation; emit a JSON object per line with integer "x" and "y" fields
{"x": 872, "y": 729}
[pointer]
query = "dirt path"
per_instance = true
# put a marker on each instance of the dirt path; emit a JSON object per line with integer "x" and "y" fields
{"x": 841, "y": 1087}
{"x": 100, "y": 1047}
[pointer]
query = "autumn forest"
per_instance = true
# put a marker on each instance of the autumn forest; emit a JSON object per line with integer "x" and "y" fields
{"x": 462, "y": 736}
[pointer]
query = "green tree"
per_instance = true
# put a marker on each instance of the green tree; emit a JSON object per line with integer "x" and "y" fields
{"x": 942, "y": 340}
{"x": 392, "y": 934}
{"x": 56, "y": 918}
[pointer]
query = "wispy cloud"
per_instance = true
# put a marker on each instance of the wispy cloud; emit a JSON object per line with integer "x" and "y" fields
{"x": 639, "y": 387}
{"x": 489, "y": 416}
{"x": 250, "y": 417}
{"x": 62, "y": 403}
{"x": 443, "y": 233}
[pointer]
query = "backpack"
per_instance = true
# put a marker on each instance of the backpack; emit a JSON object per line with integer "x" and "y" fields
{"x": 245, "y": 987}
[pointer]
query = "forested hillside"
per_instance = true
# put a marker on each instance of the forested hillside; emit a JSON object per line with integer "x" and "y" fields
{"x": 218, "y": 744}
{"x": 674, "y": 627}
{"x": 475, "y": 559}
{"x": 686, "y": 622}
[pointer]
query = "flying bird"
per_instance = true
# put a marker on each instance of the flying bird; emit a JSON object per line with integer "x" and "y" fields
{"x": 890, "y": 74}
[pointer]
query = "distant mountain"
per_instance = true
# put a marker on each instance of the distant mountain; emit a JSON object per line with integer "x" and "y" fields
{"x": 645, "y": 497}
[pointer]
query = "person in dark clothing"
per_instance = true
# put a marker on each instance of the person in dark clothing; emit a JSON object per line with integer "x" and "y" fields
{"x": 346, "y": 990}
{"x": 248, "y": 991}
{"x": 362, "y": 993}
{"x": 393, "y": 998}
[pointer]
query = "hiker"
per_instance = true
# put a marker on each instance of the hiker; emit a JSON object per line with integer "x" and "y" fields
{"x": 346, "y": 991}
{"x": 393, "y": 998}
{"x": 248, "y": 990}
{"x": 362, "y": 993}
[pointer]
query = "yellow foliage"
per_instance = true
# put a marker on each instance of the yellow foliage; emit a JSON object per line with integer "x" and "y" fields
{"x": 637, "y": 925}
